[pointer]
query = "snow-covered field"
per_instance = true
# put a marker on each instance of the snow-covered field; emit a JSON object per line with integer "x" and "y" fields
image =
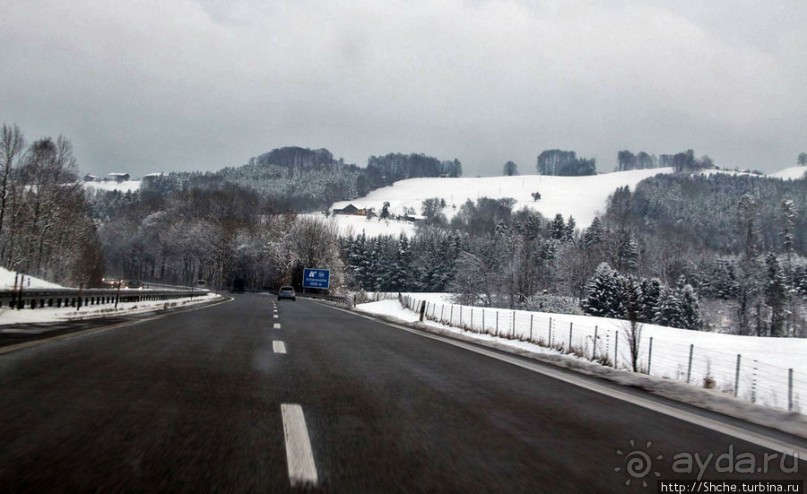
{"x": 581, "y": 197}
{"x": 794, "y": 172}
{"x": 355, "y": 225}
{"x": 764, "y": 362}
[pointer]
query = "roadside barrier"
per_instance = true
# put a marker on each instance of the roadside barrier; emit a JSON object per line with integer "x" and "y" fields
{"x": 620, "y": 346}
{"x": 76, "y": 298}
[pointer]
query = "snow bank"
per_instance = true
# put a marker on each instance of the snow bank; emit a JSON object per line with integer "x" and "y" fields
{"x": 45, "y": 315}
{"x": 7, "y": 281}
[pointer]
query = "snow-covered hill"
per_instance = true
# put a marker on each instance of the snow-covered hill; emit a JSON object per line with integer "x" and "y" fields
{"x": 581, "y": 197}
{"x": 129, "y": 185}
{"x": 794, "y": 172}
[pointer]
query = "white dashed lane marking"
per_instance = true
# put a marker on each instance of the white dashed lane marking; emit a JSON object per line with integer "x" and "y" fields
{"x": 300, "y": 459}
{"x": 279, "y": 346}
{"x": 277, "y": 325}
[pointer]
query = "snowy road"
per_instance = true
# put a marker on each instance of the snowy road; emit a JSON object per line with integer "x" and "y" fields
{"x": 206, "y": 401}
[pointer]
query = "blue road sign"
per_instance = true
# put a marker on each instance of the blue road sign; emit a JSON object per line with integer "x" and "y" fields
{"x": 316, "y": 278}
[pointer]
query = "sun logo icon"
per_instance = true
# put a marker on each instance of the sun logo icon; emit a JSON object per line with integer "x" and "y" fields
{"x": 638, "y": 463}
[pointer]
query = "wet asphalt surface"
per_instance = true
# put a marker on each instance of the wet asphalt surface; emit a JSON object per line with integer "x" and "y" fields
{"x": 190, "y": 402}
{"x": 12, "y": 334}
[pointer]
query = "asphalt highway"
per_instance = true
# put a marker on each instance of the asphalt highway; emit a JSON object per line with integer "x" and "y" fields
{"x": 243, "y": 397}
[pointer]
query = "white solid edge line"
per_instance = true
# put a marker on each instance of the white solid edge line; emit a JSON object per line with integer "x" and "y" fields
{"x": 277, "y": 325}
{"x": 279, "y": 346}
{"x": 300, "y": 459}
{"x": 686, "y": 416}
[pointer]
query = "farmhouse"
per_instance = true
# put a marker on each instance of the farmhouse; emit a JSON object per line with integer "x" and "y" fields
{"x": 351, "y": 210}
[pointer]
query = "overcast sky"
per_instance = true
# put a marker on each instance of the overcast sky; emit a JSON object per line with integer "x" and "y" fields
{"x": 157, "y": 85}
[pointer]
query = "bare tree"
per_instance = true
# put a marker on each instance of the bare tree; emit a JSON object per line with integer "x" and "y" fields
{"x": 633, "y": 332}
{"x": 472, "y": 282}
{"x": 315, "y": 243}
{"x": 12, "y": 150}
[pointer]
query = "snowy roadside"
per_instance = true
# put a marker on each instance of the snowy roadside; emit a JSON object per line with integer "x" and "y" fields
{"x": 708, "y": 399}
{"x": 46, "y": 315}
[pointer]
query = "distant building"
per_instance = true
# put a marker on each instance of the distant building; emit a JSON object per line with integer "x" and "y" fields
{"x": 90, "y": 178}
{"x": 351, "y": 210}
{"x": 119, "y": 177}
{"x": 413, "y": 218}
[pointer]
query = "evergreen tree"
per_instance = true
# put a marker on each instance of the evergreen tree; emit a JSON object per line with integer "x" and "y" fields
{"x": 669, "y": 311}
{"x": 604, "y": 293}
{"x": 776, "y": 295}
{"x": 690, "y": 308}
{"x": 570, "y": 226}
{"x": 650, "y": 298}
{"x": 721, "y": 280}
{"x": 594, "y": 233}
{"x": 558, "y": 228}
{"x": 789, "y": 218}
{"x": 627, "y": 251}
{"x": 358, "y": 259}
{"x": 679, "y": 307}
{"x": 400, "y": 274}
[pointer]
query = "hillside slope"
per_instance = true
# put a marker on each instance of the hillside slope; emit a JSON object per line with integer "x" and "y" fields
{"x": 581, "y": 197}
{"x": 794, "y": 172}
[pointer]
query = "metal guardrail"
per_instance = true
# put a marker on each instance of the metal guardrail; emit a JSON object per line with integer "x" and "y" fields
{"x": 40, "y": 298}
{"x": 346, "y": 300}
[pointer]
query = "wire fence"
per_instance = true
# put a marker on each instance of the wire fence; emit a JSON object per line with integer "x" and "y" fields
{"x": 629, "y": 349}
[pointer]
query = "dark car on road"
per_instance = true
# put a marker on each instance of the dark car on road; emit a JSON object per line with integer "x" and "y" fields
{"x": 286, "y": 292}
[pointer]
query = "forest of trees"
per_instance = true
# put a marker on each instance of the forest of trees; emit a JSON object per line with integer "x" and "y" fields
{"x": 565, "y": 163}
{"x": 226, "y": 225}
{"x": 658, "y": 254}
{"x": 701, "y": 210}
{"x": 491, "y": 255}
{"x": 217, "y": 234}
{"x": 717, "y": 238}
{"x": 626, "y": 160}
{"x": 684, "y": 161}
{"x": 306, "y": 180}
{"x": 45, "y": 228}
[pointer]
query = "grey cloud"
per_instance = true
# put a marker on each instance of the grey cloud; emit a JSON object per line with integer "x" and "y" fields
{"x": 151, "y": 85}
